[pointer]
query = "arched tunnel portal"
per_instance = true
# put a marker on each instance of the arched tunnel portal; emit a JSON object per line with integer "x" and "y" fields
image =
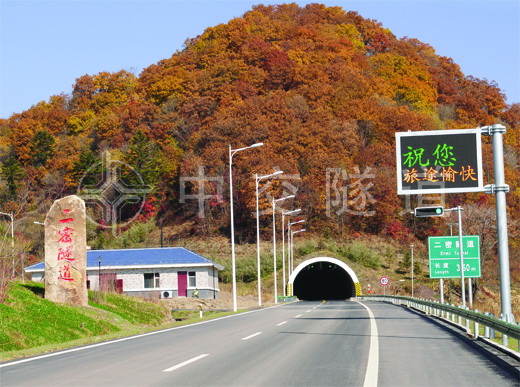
{"x": 323, "y": 278}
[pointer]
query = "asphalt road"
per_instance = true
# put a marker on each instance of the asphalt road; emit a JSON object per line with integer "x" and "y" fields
{"x": 337, "y": 343}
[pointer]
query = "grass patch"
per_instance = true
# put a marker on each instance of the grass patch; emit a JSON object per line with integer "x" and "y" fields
{"x": 131, "y": 309}
{"x": 28, "y": 320}
{"x": 31, "y": 325}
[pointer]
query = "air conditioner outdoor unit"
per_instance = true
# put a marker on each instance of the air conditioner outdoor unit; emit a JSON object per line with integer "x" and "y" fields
{"x": 167, "y": 294}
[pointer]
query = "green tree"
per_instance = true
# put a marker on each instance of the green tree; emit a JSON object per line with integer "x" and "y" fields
{"x": 142, "y": 155}
{"x": 42, "y": 148}
{"x": 12, "y": 173}
{"x": 86, "y": 171}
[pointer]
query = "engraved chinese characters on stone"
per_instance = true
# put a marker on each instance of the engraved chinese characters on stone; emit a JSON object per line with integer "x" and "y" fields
{"x": 66, "y": 252}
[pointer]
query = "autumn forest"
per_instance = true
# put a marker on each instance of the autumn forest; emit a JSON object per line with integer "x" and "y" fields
{"x": 325, "y": 90}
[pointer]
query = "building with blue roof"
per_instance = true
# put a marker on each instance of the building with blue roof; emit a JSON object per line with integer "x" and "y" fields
{"x": 167, "y": 272}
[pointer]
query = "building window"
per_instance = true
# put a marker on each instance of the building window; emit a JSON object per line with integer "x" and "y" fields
{"x": 151, "y": 280}
{"x": 192, "y": 279}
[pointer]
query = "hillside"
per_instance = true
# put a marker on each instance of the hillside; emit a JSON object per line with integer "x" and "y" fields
{"x": 325, "y": 90}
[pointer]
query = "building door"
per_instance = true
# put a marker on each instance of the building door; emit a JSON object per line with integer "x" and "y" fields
{"x": 182, "y": 283}
{"x": 119, "y": 286}
{"x": 107, "y": 282}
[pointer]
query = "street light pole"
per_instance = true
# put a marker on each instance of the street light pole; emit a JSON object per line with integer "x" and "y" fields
{"x": 11, "y": 217}
{"x": 257, "y": 180}
{"x": 99, "y": 273}
{"x": 290, "y": 258}
{"x": 292, "y": 242}
{"x": 233, "y": 260}
{"x": 274, "y": 244}
{"x": 283, "y": 244}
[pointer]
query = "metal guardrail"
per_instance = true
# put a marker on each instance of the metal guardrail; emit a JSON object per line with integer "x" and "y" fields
{"x": 436, "y": 308}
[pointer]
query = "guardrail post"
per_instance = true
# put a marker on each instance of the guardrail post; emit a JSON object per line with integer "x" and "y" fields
{"x": 505, "y": 340}
{"x": 452, "y": 316}
{"x": 486, "y": 328}
{"x": 476, "y": 327}
{"x": 491, "y": 330}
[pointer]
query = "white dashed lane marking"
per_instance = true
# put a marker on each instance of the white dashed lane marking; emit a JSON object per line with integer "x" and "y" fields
{"x": 184, "y": 363}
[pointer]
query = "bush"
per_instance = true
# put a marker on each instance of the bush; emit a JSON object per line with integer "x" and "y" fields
{"x": 308, "y": 247}
{"x": 359, "y": 253}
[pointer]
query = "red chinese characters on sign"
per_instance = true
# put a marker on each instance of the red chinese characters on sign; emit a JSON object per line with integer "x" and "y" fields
{"x": 65, "y": 252}
{"x": 65, "y": 273}
{"x": 65, "y": 235}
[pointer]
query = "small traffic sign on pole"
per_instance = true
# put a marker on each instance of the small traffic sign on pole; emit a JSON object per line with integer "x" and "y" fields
{"x": 384, "y": 281}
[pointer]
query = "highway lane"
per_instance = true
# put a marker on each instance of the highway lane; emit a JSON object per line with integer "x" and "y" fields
{"x": 415, "y": 352}
{"x": 320, "y": 346}
{"x": 295, "y": 344}
{"x": 301, "y": 344}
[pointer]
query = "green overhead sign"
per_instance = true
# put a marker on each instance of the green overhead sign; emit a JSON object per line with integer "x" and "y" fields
{"x": 444, "y": 255}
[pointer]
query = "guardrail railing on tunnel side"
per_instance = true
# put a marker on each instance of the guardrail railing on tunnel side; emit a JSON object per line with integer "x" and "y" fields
{"x": 449, "y": 312}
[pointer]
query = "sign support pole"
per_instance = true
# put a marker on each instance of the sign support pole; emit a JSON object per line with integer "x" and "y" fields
{"x": 500, "y": 188}
{"x": 470, "y": 293}
{"x": 411, "y": 246}
{"x": 461, "y": 253}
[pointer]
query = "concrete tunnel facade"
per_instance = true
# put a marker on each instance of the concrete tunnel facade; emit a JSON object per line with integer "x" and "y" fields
{"x": 323, "y": 278}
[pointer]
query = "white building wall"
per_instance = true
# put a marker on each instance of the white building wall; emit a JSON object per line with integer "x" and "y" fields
{"x": 133, "y": 279}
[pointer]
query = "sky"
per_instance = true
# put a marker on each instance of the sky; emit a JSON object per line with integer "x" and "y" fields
{"x": 46, "y": 45}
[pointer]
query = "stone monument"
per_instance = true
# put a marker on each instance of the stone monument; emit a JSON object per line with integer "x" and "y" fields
{"x": 66, "y": 252}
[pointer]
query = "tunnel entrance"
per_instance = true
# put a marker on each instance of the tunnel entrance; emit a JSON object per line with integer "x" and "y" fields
{"x": 324, "y": 278}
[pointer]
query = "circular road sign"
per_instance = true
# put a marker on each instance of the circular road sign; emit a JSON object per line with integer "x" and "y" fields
{"x": 384, "y": 281}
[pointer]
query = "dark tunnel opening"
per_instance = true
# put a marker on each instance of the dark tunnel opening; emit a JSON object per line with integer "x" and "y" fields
{"x": 323, "y": 281}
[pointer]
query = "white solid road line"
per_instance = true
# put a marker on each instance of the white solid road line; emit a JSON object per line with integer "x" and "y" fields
{"x": 373, "y": 353}
{"x": 186, "y": 362}
{"x": 251, "y": 336}
{"x": 283, "y": 322}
